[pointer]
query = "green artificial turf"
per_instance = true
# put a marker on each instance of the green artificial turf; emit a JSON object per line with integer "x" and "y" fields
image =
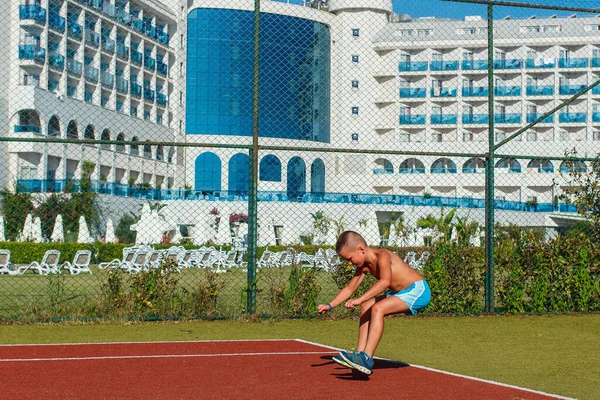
{"x": 556, "y": 354}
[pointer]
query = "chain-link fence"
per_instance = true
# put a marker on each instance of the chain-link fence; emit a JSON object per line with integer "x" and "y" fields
{"x": 199, "y": 159}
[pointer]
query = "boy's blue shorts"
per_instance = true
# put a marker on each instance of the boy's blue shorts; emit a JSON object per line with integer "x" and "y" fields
{"x": 416, "y": 296}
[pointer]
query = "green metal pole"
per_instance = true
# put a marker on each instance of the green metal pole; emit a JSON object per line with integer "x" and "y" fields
{"x": 252, "y": 195}
{"x": 489, "y": 173}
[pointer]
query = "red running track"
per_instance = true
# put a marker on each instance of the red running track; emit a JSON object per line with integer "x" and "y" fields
{"x": 278, "y": 369}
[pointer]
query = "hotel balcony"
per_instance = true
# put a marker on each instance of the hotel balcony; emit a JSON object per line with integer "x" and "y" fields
{"x": 540, "y": 63}
{"x": 475, "y": 91}
{"x": 443, "y": 66}
{"x": 74, "y": 67}
{"x": 27, "y": 128}
{"x": 56, "y": 22}
{"x": 32, "y": 12}
{"x": 573, "y": 62}
{"x": 411, "y": 93}
{"x": 571, "y": 89}
{"x": 417, "y": 119}
{"x": 162, "y": 68}
{"x": 108, "y": 45}
{"x": 149, "y": 63}
{"x": 412, "y": 66}
{"x": 533, "y": 117}
{"x": 596, "y": 62}
{"x": 122, "y": 51}
{"x": 56, "y": 60}
{"x": 540, "y": 90}
{"x": 136, "y": 90}
{"x": 512, "y": 118}
{"x": 136, "y": 57}
{"x": 437, "y": 119}
{"x": 161, "y": 99}
{"x": 475, "y": 118}
{"x": 507, "y": 90}
{"x": 92, "y": 38}
{"x": 148, "y": 94}
{"x": 32, "y": 52}
{"x": 596, "y": 116}
{"x": 91, "y": 73}
{"x": 474, "y": 65}
{"x": 443, "y": 92}
{"x": 576, "y": 117}
{"x": 508, "y": 64}
{"x": 107, "y": 79}
{"x": 122, "y": 85}
{"x": 74, "y": 30}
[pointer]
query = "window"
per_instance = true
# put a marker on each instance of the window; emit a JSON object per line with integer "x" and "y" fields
{"x": 354, "y": 84}
{"x": 424, "y": 32}
{"x": 88, "y": 97}
{"x": 563, "y": 136}
{"x": 500, "y": 136}
{"x": 468, "y": 137}
{"x": 355, "y": 137}
{"x": 31, "y": 80}
{"x": 468, "y": 31}
{"x": 147, "y": 115}
{"x": 354, "y": 110}
{"x": 437, "y": 137}
{"x": 355, "y": 59}
{"x": 72, "y": 91}
{"x": 531, "y": 136}
{"x": 596, "y": 136}
{"x": 133, "y": 111}
{"x": 356, "y": 32}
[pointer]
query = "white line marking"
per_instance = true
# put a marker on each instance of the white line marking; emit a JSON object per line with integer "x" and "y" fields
{"x": 287, "y": 353}
{"x": 149, "y": 342}
{"x": 453, "y": 374}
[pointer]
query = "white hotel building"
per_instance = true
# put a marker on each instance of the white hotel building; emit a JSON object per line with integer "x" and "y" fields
{"x": 352, "y": 75}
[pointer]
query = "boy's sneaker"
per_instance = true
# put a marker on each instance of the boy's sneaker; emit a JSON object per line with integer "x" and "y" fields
{"x": 359, "y": 361}
{"x": 338, "y": 359}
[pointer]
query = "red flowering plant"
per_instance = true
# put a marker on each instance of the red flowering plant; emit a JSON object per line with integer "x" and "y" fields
{"x": 238, "y": 218}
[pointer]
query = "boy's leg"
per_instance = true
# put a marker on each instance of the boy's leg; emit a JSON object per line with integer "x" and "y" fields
{"x": 365, "y": 318}
{"x": 378, "y": 310}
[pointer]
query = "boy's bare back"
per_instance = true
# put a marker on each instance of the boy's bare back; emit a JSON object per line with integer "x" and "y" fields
{"x": 402, "y": 275}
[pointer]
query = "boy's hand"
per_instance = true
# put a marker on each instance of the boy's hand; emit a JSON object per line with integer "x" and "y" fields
{"x": 323, "y": 308}
{"x": 353, "y": 303}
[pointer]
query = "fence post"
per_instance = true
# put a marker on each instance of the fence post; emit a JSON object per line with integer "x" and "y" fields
{"x": 252, "y": 195}
{"x": 489, "y": 172}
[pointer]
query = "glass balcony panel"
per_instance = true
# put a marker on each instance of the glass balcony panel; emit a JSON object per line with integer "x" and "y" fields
{"x": 413, "y": 66}
{"x": 32, "y": 52}
{"x": 107, "y": 79}
{"x": 507, "y": 118}
{"x": 475, "y": 118}
{"x": 122, "y": 85}
{"x": 443, "y": 65}
{"x": 443, "y": 119}
{"x": 32, "y": 11}
{"x": 412, "y": 170}
{"x": 56, "y": 22}
{"x": 75, "y": 30}
{"x": 508, "y": 64}
{"x": 136, "y": 57}
{"x": 534, "y": 63}
{"x": 382, "y": 171}
{"x": 412, "y": 92}
{"x": 443, "y": 92}
{"x": 475, "y": 91}
{"x": 74, "y": 67}
{"x": 473, "y": 65}
{"x": 91, "y": 73}
{"x": 507, "y": 90}
{"x": 161, "y": 99}
{"x": 573, "y": 62}
{"x": 150, "y": 63}
{"x": 92, "y": 38}
{"x": 162, "y": 68}
{"x": 418, "y": 119}
{"x": 540, "y": 90}
{"x": 108, "y": 45}
{"x": 56, "y": 60}
{"x": 27, "y": 128}
{"x": 443, "y": 170}
{"x": 533, "y": 117}
{"x": 136, "y": 90}
{"x": 571, "y": 89}
{"x": 122, "y": 51}
{"x": 596, "y": 62}
{"x": 596, "y": 117}
{"x": 148, "y": 94}
{"x": 573, "y": 117}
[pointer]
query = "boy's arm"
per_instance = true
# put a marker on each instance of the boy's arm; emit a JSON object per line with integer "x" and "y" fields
{"x": 384, "y": 264}
{"x": 345, "y": 293}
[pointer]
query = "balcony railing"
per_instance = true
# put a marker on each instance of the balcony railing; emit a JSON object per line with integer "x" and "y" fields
{"x": 475, "y": 118}
{"x": 122, "y": 51}
{"x": 136, "y": 57}
{"x": 162, "y": 68}
{"x": 32, "y": 52}
{"x": 417, "y": 119}
{"x": 122, "y": 85}
{"x": 475, "y": 91}
{"x": 32, "y": 11}
{"x": 508, "y": 64}
{"x": 75, "y": 30}
{"x": 382, "y": 171}
{"x": 596, "y": 62}
{"x": 91, "y": 73}
{"x": 573, "y": 117}
{"x": 507, "y": 90}
{"x": 413, "y": 92}
{"x": 411, "y": 170}
{"x": 413, "y": 66}
{"x": 443, "y": 92}
{"x": 56, "y": 60}
{"x": 163, "y": 37}
{"x": 573, "y": 62}
{"x": 532, "y": 117}
{"x": 571, "y": 89}
{"x": 56, "y": 22}
{"x": 512, "y": 118}
{"x": 540, "y": 90}
{"x": 444, "y": 170}
{"x": 107, "y": 79}
{"x": 534, "y": 63}
{"x": 148, "y": 94}
{"x": 443, "y": 119}
{"x": 92, "y": 38}
{"x": 161, "y": 99}
{"x": 474, "y": 65}
{"x": 136, "y": 90}
{"x": 74, "y": 67}
{"x": 108, "y": 45}
{"x": 150, "y": 63}
{"x": 443, "y": 65}
{"x": 596, "y": 116}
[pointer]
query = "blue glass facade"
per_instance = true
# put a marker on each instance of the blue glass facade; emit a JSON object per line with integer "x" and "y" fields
{"x": 294, "y": 75}
{"x": 239, "y": 174}
{"x": 207, "y": 172}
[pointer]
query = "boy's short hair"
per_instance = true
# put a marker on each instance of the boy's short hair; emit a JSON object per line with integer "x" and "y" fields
{"x": 348, "y": 238}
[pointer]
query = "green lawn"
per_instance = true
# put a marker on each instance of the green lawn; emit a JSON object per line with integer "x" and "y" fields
{"x": 556, "y": 354}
